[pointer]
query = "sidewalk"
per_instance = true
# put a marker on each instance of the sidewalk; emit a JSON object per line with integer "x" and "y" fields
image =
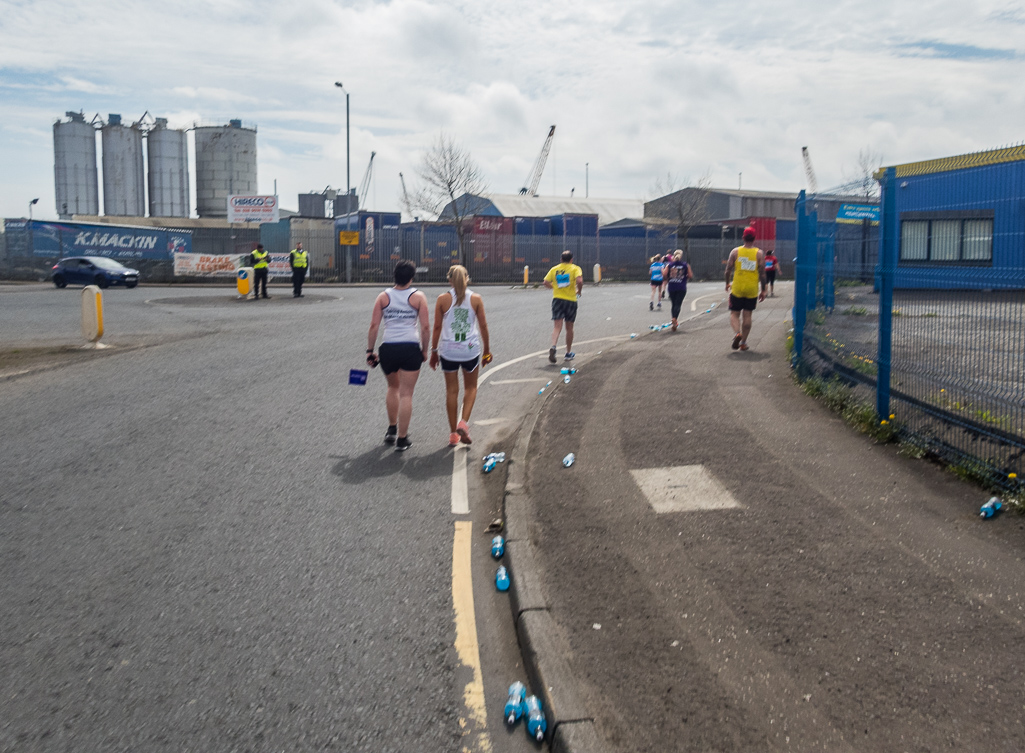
{"x": 832, "y": 595}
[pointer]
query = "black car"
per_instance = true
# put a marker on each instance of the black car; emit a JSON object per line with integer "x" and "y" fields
{"x": 93, "y": 270}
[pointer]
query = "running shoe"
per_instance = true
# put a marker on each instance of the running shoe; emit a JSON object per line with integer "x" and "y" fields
{"x": 389, "y": 436}
{"x": 402, "y": 444}
{"x": 736, "y": 342}
{"x": 743, "y": 346}
{"x": 651, "y": 306}
{"x": 659, "y": 305}
{"x": 453, "y": 439}
{"x": 463, "y": 432}
{"x": 570, "y": 356}
{"x": 551, "y": 355}
{"x": 674, "y": 327}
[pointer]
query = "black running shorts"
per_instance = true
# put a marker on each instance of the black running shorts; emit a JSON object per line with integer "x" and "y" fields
{"x": 400, "y": 356}
{"x": 742, "y": 304}
{"x": 449, "y": 366}
{"x": 563, "y": 309}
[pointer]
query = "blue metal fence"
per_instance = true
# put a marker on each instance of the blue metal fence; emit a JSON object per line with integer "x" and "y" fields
{"x": 925, "y": 315}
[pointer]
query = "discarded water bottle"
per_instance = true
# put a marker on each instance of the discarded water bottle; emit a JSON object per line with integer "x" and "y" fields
{"x": 991, "y": 508}
{"x": 502, "y": 579}
{"x": 497, "y": 547}
{"x": 565, "y": 379}
{"x": 569, "y": 460}
{"x": 514, "y": 706}
{"x": 653, "y": 327}
{"x": 545, "y": 387}
{"x": 537, "y": 725}
{"x": 564, "y": 371}
{"x": 489, "y": 463}
{"x": 633, "y": 335}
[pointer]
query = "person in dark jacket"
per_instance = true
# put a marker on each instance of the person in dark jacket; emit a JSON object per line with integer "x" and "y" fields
{"x": 260, "y": 260}
{"x": 299, "y": 261}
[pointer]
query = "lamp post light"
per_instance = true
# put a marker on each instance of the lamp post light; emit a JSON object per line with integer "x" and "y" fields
{"x": 348, "y": 181}
{"x": 30, "y": 205}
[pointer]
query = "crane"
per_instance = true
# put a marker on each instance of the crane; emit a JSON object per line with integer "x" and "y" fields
{"x": 365, "y": 185}
{"x": 405, "y": 195}
{"x": 809, "y": 171}
{"x": 534, "y": 180}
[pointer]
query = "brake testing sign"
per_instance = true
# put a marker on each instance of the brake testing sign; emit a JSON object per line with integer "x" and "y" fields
{"x": 252, "y": 208}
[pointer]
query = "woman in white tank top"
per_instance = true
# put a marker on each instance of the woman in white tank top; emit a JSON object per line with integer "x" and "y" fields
{"x": 460, "y": 342}
{"x": 403, "y": 312}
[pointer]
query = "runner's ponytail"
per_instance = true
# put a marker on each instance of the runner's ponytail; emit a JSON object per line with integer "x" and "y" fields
{"x": 459, "y": 278}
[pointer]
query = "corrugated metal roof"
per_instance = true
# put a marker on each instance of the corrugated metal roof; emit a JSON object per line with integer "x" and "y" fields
{"x": 608, "y": 210}
{"x": 960, "y": 162}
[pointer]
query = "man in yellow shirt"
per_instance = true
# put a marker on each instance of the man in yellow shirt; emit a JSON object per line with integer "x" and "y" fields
{"x": 745, "y": 282}
{"x": 566, "y": 281}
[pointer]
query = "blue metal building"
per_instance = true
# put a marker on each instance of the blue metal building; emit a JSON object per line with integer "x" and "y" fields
{"x": 960, "y": 221}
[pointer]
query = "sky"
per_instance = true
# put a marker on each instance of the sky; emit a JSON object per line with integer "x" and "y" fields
{"x": 637, "y": 90}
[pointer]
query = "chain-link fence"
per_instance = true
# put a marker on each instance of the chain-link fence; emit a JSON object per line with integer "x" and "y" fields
{"x": 926, "y": 318}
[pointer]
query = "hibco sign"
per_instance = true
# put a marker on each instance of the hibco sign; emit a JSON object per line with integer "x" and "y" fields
{"x": 252, "y": 209}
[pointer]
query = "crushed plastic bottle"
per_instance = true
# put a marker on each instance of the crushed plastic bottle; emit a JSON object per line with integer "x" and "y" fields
{"x": 497, "y": 547}
{"x": 545, "y": 387}
{"x": 537, "y": 725}
{"x": 991, "y": 508}
{"x": 569, "y": 460}
{"x": 567, "y": 371}
{"x": 514, "y": 708}
{"x": 565, "y": 379}
{"x": 502, "y": 579}
{"x": 633, "y": 335}
{"x": 491, "y": 460}
{"x": 653, "y": 327}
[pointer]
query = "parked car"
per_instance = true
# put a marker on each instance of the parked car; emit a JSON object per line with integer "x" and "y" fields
{"x": 93, "y": 270}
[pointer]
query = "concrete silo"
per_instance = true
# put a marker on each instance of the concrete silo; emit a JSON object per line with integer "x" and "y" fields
{"x": 74, "y": 167}
{"x": 168, "y": 156}
{"x": 124, "y": 192}
{"x": 225, "y": 166}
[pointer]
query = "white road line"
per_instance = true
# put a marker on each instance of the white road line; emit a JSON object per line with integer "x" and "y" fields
{"x": 493, "y": 421}
{"x": 521, "y": 381}
{"x": 460, "y": 497}
{"x": 694, "y": 303}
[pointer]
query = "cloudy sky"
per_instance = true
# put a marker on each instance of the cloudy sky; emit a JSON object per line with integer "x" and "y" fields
{"x": 636, "y": 89}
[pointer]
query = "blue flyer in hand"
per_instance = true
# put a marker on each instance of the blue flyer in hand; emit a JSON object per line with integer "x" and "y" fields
{"x": 357, "y": 377}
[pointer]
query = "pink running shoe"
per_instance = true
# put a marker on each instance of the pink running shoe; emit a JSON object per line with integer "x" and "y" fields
{"x": 453, "y": 439}
{"x": 463, "y": 429}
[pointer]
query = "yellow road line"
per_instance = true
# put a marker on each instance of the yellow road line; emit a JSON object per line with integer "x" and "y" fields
{"x": 475, "y": 725}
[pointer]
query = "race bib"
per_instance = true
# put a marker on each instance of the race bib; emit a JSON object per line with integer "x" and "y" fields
{"x": 562, "y": 279}
{"x": 748, "y": 265}
{"x": 768, "y": 263}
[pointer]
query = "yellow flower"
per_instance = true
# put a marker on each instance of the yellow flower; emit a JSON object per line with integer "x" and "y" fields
{"x": 883, "y": 422}
{"x": 1012, "y": 475}
{"x": 942, "y": 390}
{"x": 893, "y": 415}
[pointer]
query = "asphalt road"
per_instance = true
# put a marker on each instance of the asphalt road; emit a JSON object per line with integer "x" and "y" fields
{"x": 204, "y": 545}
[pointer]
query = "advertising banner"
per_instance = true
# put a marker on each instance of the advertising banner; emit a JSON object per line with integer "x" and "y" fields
{"x": 62, "y": 239}
{"x": 856, "y": 213}
{"x": 226, "y": 265}
{"x": 252, "y": 208}
{"x": 205, "y": 265}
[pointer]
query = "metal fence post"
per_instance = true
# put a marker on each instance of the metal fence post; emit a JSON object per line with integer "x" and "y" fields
{"x": 829, "y": 269}
{"x": 888, "y": 232}
{"x": 804, "y": 254}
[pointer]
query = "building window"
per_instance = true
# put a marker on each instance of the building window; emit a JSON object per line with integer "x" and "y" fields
{"x": 946, "y": 240}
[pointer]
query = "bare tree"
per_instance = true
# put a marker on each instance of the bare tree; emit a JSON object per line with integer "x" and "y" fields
{"x": 682, "y": 202}
{"x": 862, "y": 181}
{"x": 452, "y": 186}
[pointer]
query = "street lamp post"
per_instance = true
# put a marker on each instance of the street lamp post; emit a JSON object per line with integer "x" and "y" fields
{"x": 30, "y": 205}
{"x": 348, "y": 181}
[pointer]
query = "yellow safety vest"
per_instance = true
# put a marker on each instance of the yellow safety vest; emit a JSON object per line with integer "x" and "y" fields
{"x": 745, "y": 273}
{"x": 298, "y": 258}
{"x": 259, "y": 259}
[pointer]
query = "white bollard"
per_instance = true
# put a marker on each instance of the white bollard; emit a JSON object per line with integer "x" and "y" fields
{"x": 92, "y": 316}
{"x": 597, "y": 273}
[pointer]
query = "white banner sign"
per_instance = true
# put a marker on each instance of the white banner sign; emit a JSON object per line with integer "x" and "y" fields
{"x": 205, "y": 265}
{"x": 224, "y": 265}
{"x": 252, "y": 209}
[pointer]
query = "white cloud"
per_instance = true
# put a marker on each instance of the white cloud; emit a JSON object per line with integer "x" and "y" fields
{"x": 635, "y": 89}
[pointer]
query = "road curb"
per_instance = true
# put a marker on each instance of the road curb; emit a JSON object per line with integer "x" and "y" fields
{"x": 571, "y": 724}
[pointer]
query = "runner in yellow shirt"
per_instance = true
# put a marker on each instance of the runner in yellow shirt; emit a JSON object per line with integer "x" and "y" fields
{"x": 745, "y": 282}
{"x": 566, "y": 281}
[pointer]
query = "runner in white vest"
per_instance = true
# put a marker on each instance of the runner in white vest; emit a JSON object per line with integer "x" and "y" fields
{"x": 460, "y": 341}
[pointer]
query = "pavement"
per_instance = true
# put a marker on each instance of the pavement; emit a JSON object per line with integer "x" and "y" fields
{"x": 728, "y": 566}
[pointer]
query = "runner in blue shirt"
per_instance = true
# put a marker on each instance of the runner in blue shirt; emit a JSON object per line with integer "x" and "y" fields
{"x": 655, "y": 271}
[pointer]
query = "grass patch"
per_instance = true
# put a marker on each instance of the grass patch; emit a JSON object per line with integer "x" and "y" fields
{"x": 842, "y": 400}
{"x": 855, "y": 311}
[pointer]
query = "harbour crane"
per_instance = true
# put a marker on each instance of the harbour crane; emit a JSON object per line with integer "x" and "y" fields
{"x": 365, "y": 185}
{"x": 809, "y": 171}
{"x": 534, "y": 179}
{"x": 405, "y": 195}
